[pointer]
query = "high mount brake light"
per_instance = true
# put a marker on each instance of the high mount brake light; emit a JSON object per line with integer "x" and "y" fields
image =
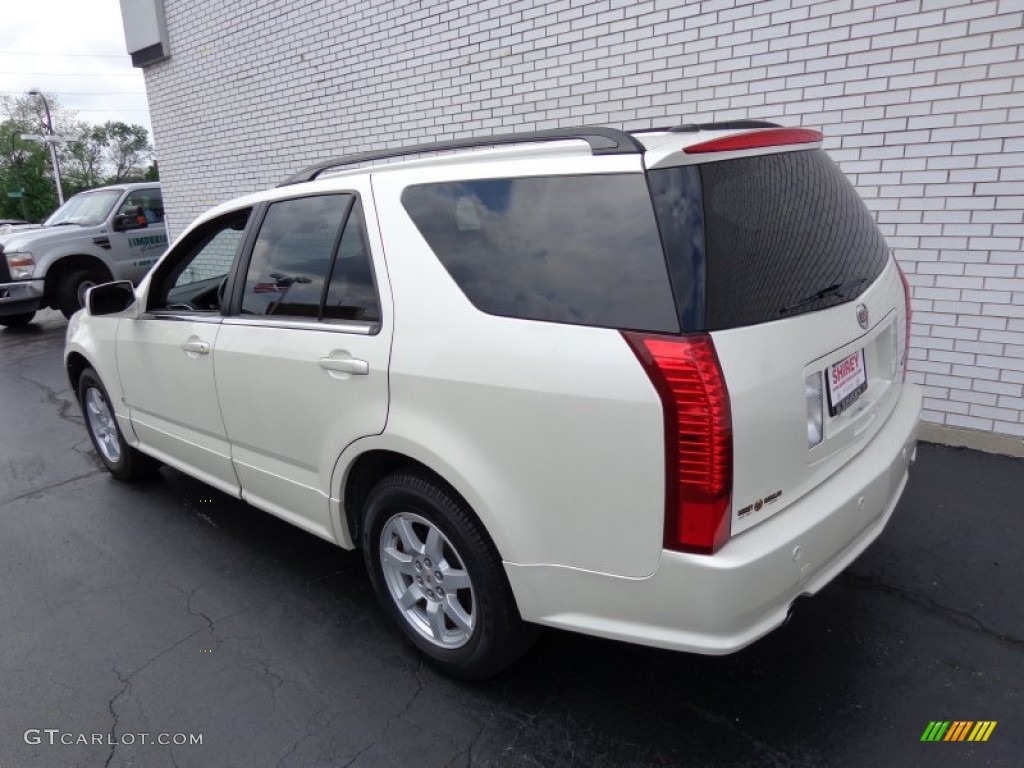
{"x": 698, "y": 438}
{"x": 763, "y": 137}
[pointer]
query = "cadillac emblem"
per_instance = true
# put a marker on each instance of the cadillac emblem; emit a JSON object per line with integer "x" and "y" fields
{"x": 862, "y": 316}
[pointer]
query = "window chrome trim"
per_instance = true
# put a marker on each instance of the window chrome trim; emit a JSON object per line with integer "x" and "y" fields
{"x": 269, "y": 321}
{"x": 198, "y": 317}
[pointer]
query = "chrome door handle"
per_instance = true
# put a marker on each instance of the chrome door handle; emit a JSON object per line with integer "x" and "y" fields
{"x": 199, "y": 347}
{"x": 345, "y": 365}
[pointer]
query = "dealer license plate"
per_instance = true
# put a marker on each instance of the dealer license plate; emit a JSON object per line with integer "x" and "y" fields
{"x": 847, "y": 380}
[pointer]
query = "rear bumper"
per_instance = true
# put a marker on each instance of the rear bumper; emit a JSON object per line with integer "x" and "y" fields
{"x": 721, "y": 603}
{"x": 21, "y": 296}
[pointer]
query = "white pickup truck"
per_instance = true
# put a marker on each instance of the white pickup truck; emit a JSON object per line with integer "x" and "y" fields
{"x": 110, "y": 233}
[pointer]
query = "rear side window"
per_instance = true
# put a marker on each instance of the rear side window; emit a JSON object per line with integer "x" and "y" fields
{"x": 784, "y": 234}
{"x": 583, "y": 250}
{"x": 352, "y": 293}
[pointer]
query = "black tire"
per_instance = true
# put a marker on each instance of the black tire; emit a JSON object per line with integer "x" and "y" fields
{"x": 17, "y": 321}
{"x": 498, "y": 636}
{"x": 129, "y": 464}
{"x": 69, "y": 289}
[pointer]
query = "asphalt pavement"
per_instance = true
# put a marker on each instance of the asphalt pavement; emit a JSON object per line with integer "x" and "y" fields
{"x": 172, "y": 610}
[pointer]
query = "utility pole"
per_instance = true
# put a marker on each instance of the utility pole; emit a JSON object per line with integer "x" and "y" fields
{"x": 52, "y": 140}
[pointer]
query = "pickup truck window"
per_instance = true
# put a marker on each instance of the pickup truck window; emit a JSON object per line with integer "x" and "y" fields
{"x": 149, "y": 200}
{"x": 85, "y": 209}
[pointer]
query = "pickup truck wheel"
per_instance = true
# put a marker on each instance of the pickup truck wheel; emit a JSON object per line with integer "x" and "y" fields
{"x": 71, "y": 289}
{"x": 438, "y": 575}
{"x": 120, "y": 459}
{"x": 17, "y": 321}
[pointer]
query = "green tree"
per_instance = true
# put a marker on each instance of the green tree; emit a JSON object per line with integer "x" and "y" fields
{"x": 24, "y": 165}
{"x": 26, "y": 185}
{"x": 106, "y": 154}
{"x": 128, "y": 151}
{"x": 95, "y": 155}
{"x": 83, "y": 161}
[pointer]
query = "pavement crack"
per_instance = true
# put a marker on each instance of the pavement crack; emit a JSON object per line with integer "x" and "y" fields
{"x": 298, "y": 741}
{"x": 278, "y": 681}
{"x": 200, "y": 614}
{"x": 164, "y": 652}
{"x": 127, "y": 681}
{"x": 53, "y": 396}
{"x": 417, "y": 673}
{"x": 211, "y": 623}
{"x": 324, "y": 577}
{"x": 530, "y": 720}
{"x": 88, "y": 451}
{"x": 49, "y": 487}
{"x": 359, "y": 754}
{"x": 468, "y": 751}
{"x": 777, "y": 756}
{"x": 290, "y": 750}
{"x": 476, "y": 738}
{"x": 955, "y": 616}
{"x": 126, "y": 685}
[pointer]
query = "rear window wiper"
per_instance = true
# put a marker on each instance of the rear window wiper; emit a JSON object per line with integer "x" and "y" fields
{"x": 843, "y": 290}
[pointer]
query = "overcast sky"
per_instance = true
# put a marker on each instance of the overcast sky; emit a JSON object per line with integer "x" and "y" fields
{"x": 74, "y": 49}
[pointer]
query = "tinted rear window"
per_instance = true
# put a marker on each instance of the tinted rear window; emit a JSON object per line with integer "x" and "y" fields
{"x": 775, "y": 229}
{"x": 572, "y": 249}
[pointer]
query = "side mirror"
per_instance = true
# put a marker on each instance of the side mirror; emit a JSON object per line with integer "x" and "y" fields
{"x": 132, "y": 218}
{"x": 110, "y": 298}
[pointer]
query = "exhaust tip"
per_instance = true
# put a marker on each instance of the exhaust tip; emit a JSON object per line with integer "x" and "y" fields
{"x": 792, "y": 608}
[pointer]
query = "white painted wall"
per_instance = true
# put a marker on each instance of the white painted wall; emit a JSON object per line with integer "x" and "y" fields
{"x": 921, "y": 102}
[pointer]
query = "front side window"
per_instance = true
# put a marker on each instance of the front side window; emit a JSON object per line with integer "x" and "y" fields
{"x": 194, "y": 276}
{"x": 292, "y": 256}
{"x": 583, "y": 250}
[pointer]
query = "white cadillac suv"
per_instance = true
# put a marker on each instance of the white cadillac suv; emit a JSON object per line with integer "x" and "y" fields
{"x": 647, "y": 386}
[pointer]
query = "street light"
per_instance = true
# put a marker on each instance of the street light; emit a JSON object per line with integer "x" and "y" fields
{"x": 51, "y": 139}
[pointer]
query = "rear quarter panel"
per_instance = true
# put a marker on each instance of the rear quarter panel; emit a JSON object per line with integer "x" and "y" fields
{"x": 552, "y": 432}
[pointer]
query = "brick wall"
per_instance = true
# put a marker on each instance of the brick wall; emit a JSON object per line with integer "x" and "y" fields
{"x": 921, "y": 102}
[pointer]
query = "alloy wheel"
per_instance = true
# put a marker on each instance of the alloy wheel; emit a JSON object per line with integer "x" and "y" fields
{"x": 102, "y": 425}
{"x": 427, "y": 578}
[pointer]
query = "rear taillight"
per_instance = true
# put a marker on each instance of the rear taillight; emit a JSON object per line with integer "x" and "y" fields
{"x": 906, "y": 299}
{"x": 763, "y": 137}
{"x": 698, "y": 438}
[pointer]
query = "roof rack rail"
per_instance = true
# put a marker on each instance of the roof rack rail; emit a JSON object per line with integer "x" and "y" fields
{"x": 602, "y": 141}
{"x": 727, "y": 125}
